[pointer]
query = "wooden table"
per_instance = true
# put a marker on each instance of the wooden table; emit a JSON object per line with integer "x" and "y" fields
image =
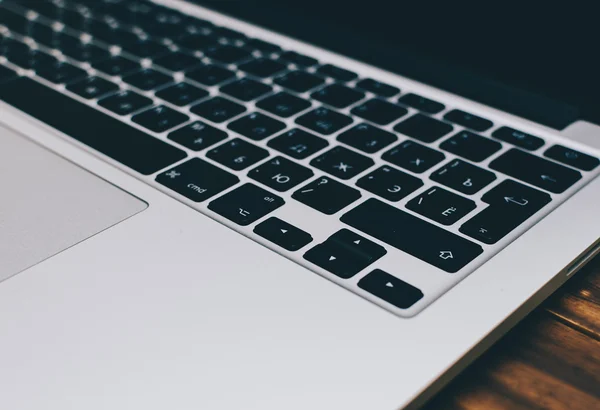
{"x": 551, "y": 360}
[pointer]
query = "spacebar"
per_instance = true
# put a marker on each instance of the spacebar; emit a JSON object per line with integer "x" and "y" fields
{"x": 113, "y": 138}
{"x": 412, "y": 235}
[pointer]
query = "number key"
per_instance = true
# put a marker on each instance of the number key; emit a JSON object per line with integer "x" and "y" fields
{"x": 280, "y": 174}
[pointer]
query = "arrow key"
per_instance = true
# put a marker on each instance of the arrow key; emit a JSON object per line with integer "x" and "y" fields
{"x": 391, "y": 289}
{"x": 283, "y": 234}
{"x": 340, "y": 260}
{"x": 358, "y": 244}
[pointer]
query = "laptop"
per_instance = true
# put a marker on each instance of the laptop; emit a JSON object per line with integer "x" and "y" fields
{"x": 267, "y": 205}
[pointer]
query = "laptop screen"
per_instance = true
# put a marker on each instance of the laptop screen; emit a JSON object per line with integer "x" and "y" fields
{"x": 538, "y": 63}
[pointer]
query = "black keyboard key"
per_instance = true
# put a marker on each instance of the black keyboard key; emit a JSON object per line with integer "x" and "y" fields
{"x": 160, "y": 119}
{"x": 85, "y": 52}
{"x": 336, "y": 73}
{"x": 262, "y": 46}
{"x": 571, "y": 157}
{"x": 441, "y": 206}
{"x": 421, "y": 103}
{"x": 197, "y": 180}
{"x": 6, "y": 74}
{"x": 389, "y": 183}
{"x": 337, "y": 259}
{"x": 42, "y": 34}
{"x": 246, "y": 89}
{"x": 113, "y": 138}
{"x": 536, "y": 171}
{"x": 182, "y": 94}
{"x": 218, "y": 109}
{"x": 299, "y": 81}
{"x": 246, "y": 204}
{"x": 262, "y": 67}
{"x": 227, "y": 54}
{"x": 518, "y": 138}
{"x": 326, "y": 195}
{"x": 116, "y": 66}
{"x": 228, "y": 33}
{"x": 283, "y": 104}
{"x": 379, "y": 111}
{"x": 324, "y": 121}
{"x": 463, "y": 177}
{"x": 299, "y": 59}
{"x": 423, "y": 128}
{"x": 413, "y": 156}
{"x": 377, "y": 88}
{"x": 412, "y": 235}
{"x": 367, "y": 138}
{"x": 297, "y": 143}
{"x": 471, "y": 146}
{"x": 125, "y": 102}
{"x": 32, "y": 60}
{"x": 390, "y": 289}
{"x": 210, "y": 74}
{"x": 237, "y": 154}
{"x": 197, "y": 136}
{"x": 358, "y": 244}
{"x": 256, "y": 126}
{"x": 342, "y": 163}
{"x": 468, "y": 120}
{"x": 147, "y": 79}
{"x": 14, "y": 21}
{"x": 283, "y": 234}
{"x": 60, "y": 72}
{"x": 92, "y": 87}
{"x": 338, "y": 95}
{"x": 197, "y": 41}
{"x": 177, "y": 61}
{"x": 280, "y": 174}
{"x": 511, "y": 204}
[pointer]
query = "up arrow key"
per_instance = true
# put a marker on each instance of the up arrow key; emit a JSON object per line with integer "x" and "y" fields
{"x": 284, "y": 231}
{"x": 389, "y": 285}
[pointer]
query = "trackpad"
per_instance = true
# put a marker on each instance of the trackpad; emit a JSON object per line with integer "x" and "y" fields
{"x": 48, "y": 204}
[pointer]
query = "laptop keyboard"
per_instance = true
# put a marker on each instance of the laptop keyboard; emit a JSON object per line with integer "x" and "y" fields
{"x": 358, "y": 180}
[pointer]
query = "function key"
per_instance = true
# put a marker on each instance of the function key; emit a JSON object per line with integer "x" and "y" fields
{"x": 256, "y": 126}
{"x": 147, "y": 79}
{"x": 421, "y": 103}
{"x": 237, "y": 154}
{"x": 280, "y": 174}
{"x": 518, "y": 138}
{"x": 197, "y": 136}
{"x": 299, "y": 81}
{"x": 463, "y": 177}
{"x": 379, "y": 111}
{"x": 227, "y": 54}
{"x": 471, "y": 146}
{"x": 283, "y": 104}
{"x": 181, "y": 94}
{"x": 377, "y": 88}
{"x": 116, "y": 66}
{"x": 283, "y": 234}
{"x": 262, "y": 67}
{"x": 571, "y": 157}
{"x": 160, "y": 119}
{"x": 413, "y": 156}
{"x": 298, "y": 59}
{"x": 468, "y": 120}
{"x": 338, "y": 95}
{"x": 125, "y": 102}
{"x": 92, "y": 87}
{"x": 261, "y": 45}
{"x": 536, "y": 171}
{"x": 390, "y": 289}
{"x": 324, "y": 121}
{"x": 389, "y": 183}
{"x": 367, "y": 138}
{"x": 326, "y": 195}
{"x": 297, "y": 143}
{"x": 441, "y": 206}
{"x": 177, "y": 61}
{"x": 336, "y": 73}
{"x": 246, "y": 204}
{"x": 197, "y": 180}
{"x": 210, "y": 74}
{"x": 342, "y": 163}
{"x": 423, "y": 128}
{"x": 218, "y": 109}
{"x": 246, "y": 89}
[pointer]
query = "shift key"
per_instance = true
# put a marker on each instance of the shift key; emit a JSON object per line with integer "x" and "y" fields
{"x": 412, "y": 235}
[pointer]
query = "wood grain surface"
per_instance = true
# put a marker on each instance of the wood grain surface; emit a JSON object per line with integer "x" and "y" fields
{"x": 551, "y": 360}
